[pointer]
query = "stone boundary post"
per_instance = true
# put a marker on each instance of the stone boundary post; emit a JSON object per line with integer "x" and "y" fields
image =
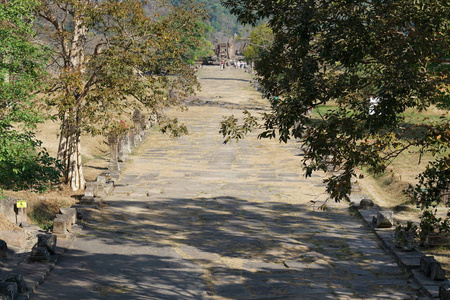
{"x": 113, "y": 146}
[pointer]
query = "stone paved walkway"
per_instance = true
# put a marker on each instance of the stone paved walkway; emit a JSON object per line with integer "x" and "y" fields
{"x": 192, "y": 218}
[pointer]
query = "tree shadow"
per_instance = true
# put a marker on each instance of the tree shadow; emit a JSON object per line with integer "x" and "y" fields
{"x": 189, "y": 248}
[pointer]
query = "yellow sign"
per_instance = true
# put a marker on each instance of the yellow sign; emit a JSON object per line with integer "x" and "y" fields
{"x": 22, "y": 204}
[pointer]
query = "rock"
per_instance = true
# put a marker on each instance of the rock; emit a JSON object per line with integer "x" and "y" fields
{"x": 8, "y": 290}
{"x": 366, "y": 203}
{"x": 39, "y": 254}
{"x": 3, "y": 250}
{"x": 47, "y": 241}
{"x": 18, "y": 279}
{"x": 437, "y": 273}
{"x": 385, "y": 219}
{"x": 425, "y": 264}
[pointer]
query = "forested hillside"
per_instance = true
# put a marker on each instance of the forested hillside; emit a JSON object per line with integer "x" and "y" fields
{"x": 223, "y": 23}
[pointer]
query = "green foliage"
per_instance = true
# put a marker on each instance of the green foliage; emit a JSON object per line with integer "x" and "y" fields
{"x": 23, "y": 165}
{"x": 261, "y": 39}
{"x": 115, "y": 58}
{"x": 231, "y": 130}
{"x": 395, "y": 52}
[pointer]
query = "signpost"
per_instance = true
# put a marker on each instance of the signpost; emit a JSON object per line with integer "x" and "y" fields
{"x": 22, "y": 204}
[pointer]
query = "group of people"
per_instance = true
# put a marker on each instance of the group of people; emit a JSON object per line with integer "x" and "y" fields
{"x": 239, "y": 64}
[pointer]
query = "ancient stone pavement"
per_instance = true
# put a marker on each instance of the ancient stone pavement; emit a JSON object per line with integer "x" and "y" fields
{"x": 192, "y": 218}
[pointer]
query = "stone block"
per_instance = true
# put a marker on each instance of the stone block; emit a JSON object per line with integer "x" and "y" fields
{"x": 65, "y": 218}
{"x": 8, "y": 290}
{"x": 101, "y": 179}
{"x": 69, "y": 211}
{"x": 7, "y": 207}
{"x": 14, "y": 238}
{"x": 109, "y": 187}
{"x": 90, "y": 189}
{"x": 18, "y": 279}
{"x": 385, "y": 219}
{"x": 404, "y": 239}
{"x": 437, "y": 272}
{"x": 425, "y": 264}
{"x": 59, "y": 226}
{"x": 3, "y": 249}
{"x": 47, "y": 241}
{"x": 39, "y": 254}
{"x": 101, "y": 190}
{"x": 444, "y": 292}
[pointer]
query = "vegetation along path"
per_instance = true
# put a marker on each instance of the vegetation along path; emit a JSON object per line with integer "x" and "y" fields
{"x": 192, "y": 218}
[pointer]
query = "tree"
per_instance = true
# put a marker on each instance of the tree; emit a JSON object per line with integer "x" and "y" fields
{"x": 395, "y": 52}
{"x": 23, "y": 165}
{"x": 261, "y": 39}
{"x": 109, "y": 58}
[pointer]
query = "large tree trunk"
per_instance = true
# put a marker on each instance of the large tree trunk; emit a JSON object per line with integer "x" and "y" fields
{"x": 69, "y": 153}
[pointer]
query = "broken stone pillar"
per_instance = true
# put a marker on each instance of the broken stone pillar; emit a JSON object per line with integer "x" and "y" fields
{"x": 47, "y": 241}
{"x": 89, "y": 193}
{"x": 425, "y": 264}
{"x": 126, "y": 143}
{"x": 131, "y": 139}
{"x": 70, "y": 211}
{"x": 137, "y": 126}
{"x": 3, "y": 250}
{"x": 65, "y": 218}
{"x": 59, "y": 227}
{"x": 385, "y": 219}
{"x": 437, "y": 272}
{"x": 39, "y": 254}
{"x": 8, "y": 290}
{"x": 113, "y": 158}
{"x": 18, "y": 279}
{"x": 121, "y": 156}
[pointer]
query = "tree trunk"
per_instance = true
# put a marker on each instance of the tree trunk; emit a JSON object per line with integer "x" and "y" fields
{"x": 69, "y": 150}
{"x": 69, "y": 153}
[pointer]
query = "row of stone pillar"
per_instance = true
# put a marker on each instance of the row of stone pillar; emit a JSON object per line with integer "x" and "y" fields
{"x": 121, "y": 145}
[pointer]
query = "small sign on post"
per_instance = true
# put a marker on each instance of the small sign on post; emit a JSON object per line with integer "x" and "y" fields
{"x": 22, "y": 204}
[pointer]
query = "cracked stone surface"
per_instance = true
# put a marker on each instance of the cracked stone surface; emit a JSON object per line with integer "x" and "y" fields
{"x": 192, "y": 218}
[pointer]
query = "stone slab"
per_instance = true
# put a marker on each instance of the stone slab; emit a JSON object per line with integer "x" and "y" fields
{"x": 14, "y": 238}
